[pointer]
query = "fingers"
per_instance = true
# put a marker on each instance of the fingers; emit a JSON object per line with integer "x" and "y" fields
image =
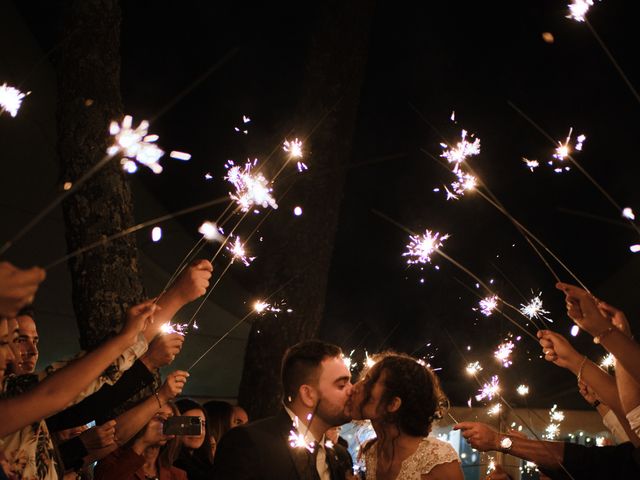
{"x": 202, "y": 264}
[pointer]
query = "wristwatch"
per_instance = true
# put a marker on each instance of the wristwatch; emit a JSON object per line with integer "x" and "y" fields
{"x": 505, "y": 444}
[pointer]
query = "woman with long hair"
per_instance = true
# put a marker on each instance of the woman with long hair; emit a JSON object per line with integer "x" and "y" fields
{"x": 195, "y": 456}
{"x": 402, "y": 398}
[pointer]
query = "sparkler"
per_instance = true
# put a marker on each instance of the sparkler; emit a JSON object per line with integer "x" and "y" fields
{"x": 421, "y": 247}
{"x": 503, "y": 353}
{"x": 239, "y": 252}
{"x": 136, "y": 145}
{"x": 251, "y": 188}
{"x": 294, "y": 149}
{"x": 628, "y": 213}
{"x": 488, "y": 305}
{"x": 11, "y": 99}
{"x": 489, "y": 390}
{"x": 156, "y": 234}
{"x": 608, "y": 361}
{"x": 462, "y": 150}
{"x": 179, "y": 328}
{"x": 495, "y": 409}
{"x": 523, "y": 390}
{"x": 553, "y": 429}
{"x": 534, "y": 309}
{"x": 473, "y": 368}
{"x": 297, "y": 439}
{"x": 531, "y": 164}
{"x": 210, "y": 231}
{"x": 578, "y": 9}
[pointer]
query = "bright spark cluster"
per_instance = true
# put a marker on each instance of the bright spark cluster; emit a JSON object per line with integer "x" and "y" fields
{"x": 523, "y": 390}
{"x": 563, "y": 150}
{"x": 179, "y": 328}
{"x": 488, "y": 305}
{"x": 489, "y": 390}
{"x": 457, "y": 156}
{"x": 495, "y": 409}
{"x": 531, "y": 164}
{"x": 135, "y": 145}
{"x": 210, "y": 231}
{"x": 534, "y": 309}
{"x": 608, "y": 361}
{"x": 473, "y": 368}
{"x": 503, "y": 353}
{"x": 628, "y": 213}
{"x": 294, "y": 149}
{"x": 578, "y": 9}
{"x": 239, "y": 253}
{"x": 11, "y": 99}
{"x": 260, "y": 307}
{"x": 297, "y": 439}
{"x": 421, "y": 247}
{"x": 252, "y": 189}
{"x": 555, "y": 418}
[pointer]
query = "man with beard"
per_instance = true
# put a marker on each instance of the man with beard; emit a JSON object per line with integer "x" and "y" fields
{"x": 316, "y": 387}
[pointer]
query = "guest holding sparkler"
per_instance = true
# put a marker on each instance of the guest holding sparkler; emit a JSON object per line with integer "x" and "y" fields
{"x": 292, "y": 444}
{"x": 402, "y": 398}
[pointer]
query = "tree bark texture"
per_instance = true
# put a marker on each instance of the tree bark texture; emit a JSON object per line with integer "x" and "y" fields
{"x": 105, "y": 281}
{"x": 297, "y": 255}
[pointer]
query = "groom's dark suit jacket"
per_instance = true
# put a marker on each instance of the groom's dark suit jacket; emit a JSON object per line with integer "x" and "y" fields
{"x": 261, "y": 451}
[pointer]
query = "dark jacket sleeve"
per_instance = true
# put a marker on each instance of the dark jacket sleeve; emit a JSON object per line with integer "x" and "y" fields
{"x": 95, "y": 406}
{"x": 236, "y": 457}
{"x": 72, "y": 453}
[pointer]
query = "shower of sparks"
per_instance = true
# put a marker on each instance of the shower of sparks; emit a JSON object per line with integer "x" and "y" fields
{"x": 564, "y": 149}
{"x": 555, "y": 417}
{"x": 239, "y": 252}
{"x": 578, "y": 9}
{"x": 179, "y": 328}
{"x": 489, "y": 390}
{"x": 10, "y": 99}
{"x": 608, "y": 361}
{"x": 628, "y": 213}
{"x": 294, "y": 149}
{"x": 531, "y": 164}
{"x": 251, "y": 188}
{"x": 523, "y": 390}
{"x": 210, "y": 232}
{"x": 534, "y": 309}
{"x": 552, "y": 431}
{"x": 473, "y": 368}
{"x": 180, "y": 156}
{"x": 297, "y": 439}
{"x": 135, "y": 145}
{"x": 495, "y": 409}
{"x": 464, "y": 183}
{"x": 503, "y": 353}
{"x": 488, "y": 305}
{"x": 421, "y": 247}
{"x": 368, "y": 361}
{"x": 462, "y": 150}
{"x": 261, "y": 307}
{"x": 156, "y": 234}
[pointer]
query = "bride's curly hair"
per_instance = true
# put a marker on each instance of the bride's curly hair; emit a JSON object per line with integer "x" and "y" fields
{"x": 418, "y": 387}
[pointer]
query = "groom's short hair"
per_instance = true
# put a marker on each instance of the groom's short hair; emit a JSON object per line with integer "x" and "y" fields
{"x": 301, "y": 365}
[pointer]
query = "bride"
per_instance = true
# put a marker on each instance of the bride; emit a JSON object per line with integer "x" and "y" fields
{"x": 402, "y": 398}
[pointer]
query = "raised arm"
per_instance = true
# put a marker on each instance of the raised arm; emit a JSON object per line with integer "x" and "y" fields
{"x": 61, "y": 388}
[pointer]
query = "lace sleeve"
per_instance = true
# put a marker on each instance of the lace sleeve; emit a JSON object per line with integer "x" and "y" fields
{"x": 436, "y": 452}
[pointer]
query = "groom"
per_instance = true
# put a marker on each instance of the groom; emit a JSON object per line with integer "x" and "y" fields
{"x": 316, "y": 386}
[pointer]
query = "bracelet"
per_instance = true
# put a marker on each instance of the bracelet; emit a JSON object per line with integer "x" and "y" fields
{"x": 596, "y": 403}
{"x": 598, "y": 338}
{"x": 158, "y": 398}
{"x": 581, "y": 368}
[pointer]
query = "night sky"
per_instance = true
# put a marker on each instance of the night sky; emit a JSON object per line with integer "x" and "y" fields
{"x": 424, "y": 62}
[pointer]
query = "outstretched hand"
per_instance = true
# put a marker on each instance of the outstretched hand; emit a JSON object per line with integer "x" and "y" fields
{"x": 558, "y": 350}
{"x": 162, "y": 351}
{"x": 193, "y": 282}
{"x": 479, "y": 435}
{"x": 172, "y": 386}
{"x": 138, "y": 318}
{"x": 17, "y": 287}
{"x": 582, "y": 308}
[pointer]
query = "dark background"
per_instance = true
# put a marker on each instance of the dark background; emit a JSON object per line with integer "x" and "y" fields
{"x": 424, "y": 62}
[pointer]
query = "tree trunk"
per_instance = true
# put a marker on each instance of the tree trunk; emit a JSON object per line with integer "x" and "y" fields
{"x": 298, "y": 250}
{"x": 105, "y": 281}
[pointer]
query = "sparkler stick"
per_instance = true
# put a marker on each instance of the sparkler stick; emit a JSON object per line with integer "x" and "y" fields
{"x": 507, "y": 404}
{"x": 457, "y": 264}
{"x": 133, "y": 229}
{"x": 633, "y": 91}
{"x": 237, "y": 324}
{"x": 575, "y": 163}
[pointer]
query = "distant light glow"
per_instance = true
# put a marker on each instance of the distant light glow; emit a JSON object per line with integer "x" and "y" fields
{"x": 523, "y": 390}
{"x": 531, "y": 164}
{"x": 210, "y": 231}
{"x": 575, "y": 330}
{"x": 180, "y": 156}
{"x": 156, "y": 234}
{"x": 628, "y": 213}
{"x": 297, "y": 211}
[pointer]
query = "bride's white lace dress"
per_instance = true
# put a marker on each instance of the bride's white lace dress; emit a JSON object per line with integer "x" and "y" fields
{"x": 430, "y": 453}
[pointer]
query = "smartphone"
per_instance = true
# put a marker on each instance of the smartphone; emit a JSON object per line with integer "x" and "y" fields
{"x": 181, "y": 425}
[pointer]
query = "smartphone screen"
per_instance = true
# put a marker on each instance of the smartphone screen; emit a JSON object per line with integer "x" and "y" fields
{"x": 182, "y": 425}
